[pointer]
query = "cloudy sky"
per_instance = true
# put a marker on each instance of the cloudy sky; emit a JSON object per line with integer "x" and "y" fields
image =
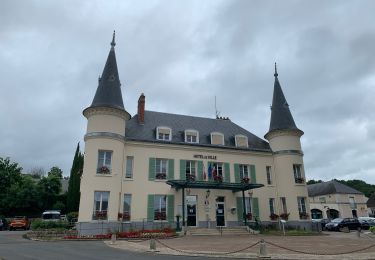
{"x": 183, "y": 53}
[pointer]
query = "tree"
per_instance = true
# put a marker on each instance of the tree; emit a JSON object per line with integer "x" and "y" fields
{"x": 49, "y": 188}
{"x": 313, "y": 182}
{"x": 75, "y": 182}
{"x": 56, "y": 171}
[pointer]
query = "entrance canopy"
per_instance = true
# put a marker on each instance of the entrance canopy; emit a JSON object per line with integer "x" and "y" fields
{"x": 235, "y": 187}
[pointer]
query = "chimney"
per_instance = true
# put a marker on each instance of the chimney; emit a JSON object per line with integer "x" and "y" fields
{"x": 141, "y": 109}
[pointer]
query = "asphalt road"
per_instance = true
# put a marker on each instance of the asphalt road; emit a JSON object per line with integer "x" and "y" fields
{"x": 14, "y": 247}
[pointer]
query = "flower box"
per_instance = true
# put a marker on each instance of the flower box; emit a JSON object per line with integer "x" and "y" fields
{"x": 161, "y": 176}
{"x": 100, "y": 215}
{"x": 284, "y": 216}
{"x": 160, "y": 216}
{"x": 245, "y": 180}
{"x": 218, "y": 178}
{"x": 103, "y": 170}
{"x": 190, "y": 177}
{"x": 299, "y": 180}
{"x": 303, "y": 215}
{"x": 274, "y": 216}
{"x": 249, "y": 216}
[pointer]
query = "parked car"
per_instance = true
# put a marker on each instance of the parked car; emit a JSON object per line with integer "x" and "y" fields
{"x": 19, "y": 222}
{"x": 51, "y": 215}
{"x": 339, "y": 223}
{"x": 366, "y": 224}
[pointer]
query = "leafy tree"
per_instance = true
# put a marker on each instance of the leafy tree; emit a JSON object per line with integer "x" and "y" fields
{"x": 56, "y": 171}
{"x": 49, "y": 188}
{"x": 313, "y": 182}
{"x": 37, "y": 173}
{"x": 73, "y": 195}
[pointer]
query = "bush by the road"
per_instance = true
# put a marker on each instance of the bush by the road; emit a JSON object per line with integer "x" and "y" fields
{"x": 40, "y": 225}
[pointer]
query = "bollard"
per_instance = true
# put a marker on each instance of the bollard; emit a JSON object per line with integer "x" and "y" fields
{"x": 358, "y": 232}
{"x": 263, "y": 250}
{"x": 152, "y": 245}
{"x": 113, "y": 239}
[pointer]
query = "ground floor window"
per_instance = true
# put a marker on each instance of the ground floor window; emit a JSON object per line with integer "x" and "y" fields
{"x": 302, "y": 207}
{"x": 248, "y": 208}
{"x": 101, "y": 199}
{"x": 126, "y": 214}
{"x": 160, "y": 207}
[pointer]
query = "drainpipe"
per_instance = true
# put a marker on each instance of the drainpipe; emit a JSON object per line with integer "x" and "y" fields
{"x": 244, "y": 207}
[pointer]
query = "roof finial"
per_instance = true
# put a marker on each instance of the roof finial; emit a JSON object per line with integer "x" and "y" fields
{"x": 276, "y": 71}
{"x": 113, "y": 43}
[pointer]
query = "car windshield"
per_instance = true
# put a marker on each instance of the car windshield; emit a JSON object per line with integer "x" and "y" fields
{"x": 51, "y": 216}
{"x": 337, "y": 220}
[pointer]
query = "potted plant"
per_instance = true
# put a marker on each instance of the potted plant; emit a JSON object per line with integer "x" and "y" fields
{"x": 126, "y": 216}
{"x": 284, "y": 216}
{"x": 299, "y": 180}
{"x": 190, "y": 177}
{"x": 218, "y": 178}
{"x": 161, "y": 176}
{"x": 103, "y": 170}
{"x": 249, "y": 216}
{"x": 101, "y": 215}
{"x": 274, "y": 216}
{"x": 303, "y": 215}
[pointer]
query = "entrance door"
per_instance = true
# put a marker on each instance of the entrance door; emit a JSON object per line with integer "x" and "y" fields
{"x": 191, "y": 209}
{"x": 220, "y": 206}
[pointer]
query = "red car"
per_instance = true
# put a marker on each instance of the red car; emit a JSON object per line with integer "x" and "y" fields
{"x": 19, "y": 222}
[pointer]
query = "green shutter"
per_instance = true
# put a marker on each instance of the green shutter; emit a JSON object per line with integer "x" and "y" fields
{"x": 150, "y": 207}
{"x": 170, "y": 212}
{"x": 151, "y": 169}
{"x": 239, "y": 209}
{"x": 255, "y": 207}
{"x": 252, "y": 174}
{"x": 200, "y": 171}
{"x": 182, "y": 170}
{"x": 226, "y": 172}
{"x": 170, "y": 169}
{"x": 237, "y": 177}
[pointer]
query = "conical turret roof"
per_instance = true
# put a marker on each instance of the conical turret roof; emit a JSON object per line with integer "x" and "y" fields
{"x": 281, "y": 117}
{"x": 108, "y": 93}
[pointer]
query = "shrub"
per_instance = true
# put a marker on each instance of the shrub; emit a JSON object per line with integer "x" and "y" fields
{"x": 372, "y": 229}
{"x": 40, "y": 224}
{"x": 72, "y": 216}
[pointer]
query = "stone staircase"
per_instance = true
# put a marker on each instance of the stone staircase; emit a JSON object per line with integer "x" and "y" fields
{"x": 218, "y": 231}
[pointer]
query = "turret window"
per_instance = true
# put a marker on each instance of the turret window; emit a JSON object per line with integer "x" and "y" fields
{"x": 217, "y": 138}
{"x": 297, "y": 171}
{"x": 241, "y": 141}
{"x": 164, "y": 133}
{"x": 104, "y": 162}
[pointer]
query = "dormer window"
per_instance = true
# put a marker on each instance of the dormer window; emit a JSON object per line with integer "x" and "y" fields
{"x": 164, "y": 133}
{"x": 241, "y": 141}
{"x": 191, "y": 136}
{"x": 217, "y": 138}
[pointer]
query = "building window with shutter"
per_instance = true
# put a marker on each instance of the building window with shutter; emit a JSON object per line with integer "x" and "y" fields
{"x": 248, "y": 208}
{"x": 190, "y": 170}
{"x": 271, "y": 203}
{"x": 218, "y": 172}
{"x": 160, "y": 207}
{"x": 244, "y": 173}
{"x": 297, "y": 171}
{"x": 129, "y": 167}
{"x": 101, "y": 199}
{"x": 104, "y": 162}
{"x": 161, "y": 169}
{"x": 302, "y": 208}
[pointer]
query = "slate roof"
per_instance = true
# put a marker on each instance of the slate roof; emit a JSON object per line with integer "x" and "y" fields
{"x": 330, "y": 187}
{"x": 371, "y": 201}
{"x": 180, "y": 123}
{"x": 281, "y": 117}
{"x": 108, "y": 93}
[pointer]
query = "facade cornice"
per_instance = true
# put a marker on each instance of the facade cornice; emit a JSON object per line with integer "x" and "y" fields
{"x": 107, "y": 135}
{"x": 197, "y": 148}
{"x": 90, "y": 111}
{"x": 286, "y": 132}
{"x": 288, "y": 152}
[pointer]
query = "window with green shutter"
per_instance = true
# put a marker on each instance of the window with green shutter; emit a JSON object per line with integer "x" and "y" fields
{"x": 150, "y": 207}
{"x": 170, "y": 169}
{"x": 170, "y": 205}
{"x": 239, "y": 209}
{"x": 226, "y": 172}
{"x": 253, "y": 174}
{"x": 237, "y": 177}
{"x": 151, "y": 169}
{"x": 182, "y": 169}
{"x": 200, "y": 171}
{"x": 255, "y": 205}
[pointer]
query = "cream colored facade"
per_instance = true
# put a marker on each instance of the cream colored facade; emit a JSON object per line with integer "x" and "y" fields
{"x": 107, "y": 136}
{"x": 344, "y": 204}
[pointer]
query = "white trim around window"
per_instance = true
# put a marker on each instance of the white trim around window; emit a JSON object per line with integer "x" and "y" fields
{"x": 191, "y": 136}
{"x": 217, "y": 134}
{"x": 244, "y": 143}
{"x": 164, "y": 133}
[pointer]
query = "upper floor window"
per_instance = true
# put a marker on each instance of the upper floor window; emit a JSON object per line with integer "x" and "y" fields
{"x": 191, "y": 136}
{"x": 129, "y": 167}
{"x": 297, "y": 171}
{"x": 269, "y": 175}
{"x": 161, "y": 167}
{"x": 163, "y": 133}
{"x": 217, "y": 138}
{"x": 190, "y": 170}
{"x": 244, "y": 173}
{"x": 104, "y": 162}
{"x": 241, "y": 141}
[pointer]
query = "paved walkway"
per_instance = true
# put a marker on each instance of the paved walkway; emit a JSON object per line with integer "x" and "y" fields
{"x": 330, "y": 245}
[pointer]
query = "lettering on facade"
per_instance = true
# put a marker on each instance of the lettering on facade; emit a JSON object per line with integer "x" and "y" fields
{"x": 209, "y": 157}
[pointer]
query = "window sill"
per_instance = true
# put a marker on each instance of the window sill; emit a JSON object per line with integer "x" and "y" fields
{"x": 271, "y": 185}
{"x": 159, "y": 221}
{"x": 103, "y": 175}
{"x": 128, "y": 179}
{"x": 160, "y": 180}
{"x": 300, "y": 184}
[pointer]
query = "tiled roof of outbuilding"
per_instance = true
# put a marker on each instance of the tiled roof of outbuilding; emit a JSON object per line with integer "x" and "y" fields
{"x": 180, "y": 123}
{"x": 330, "y": 187}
